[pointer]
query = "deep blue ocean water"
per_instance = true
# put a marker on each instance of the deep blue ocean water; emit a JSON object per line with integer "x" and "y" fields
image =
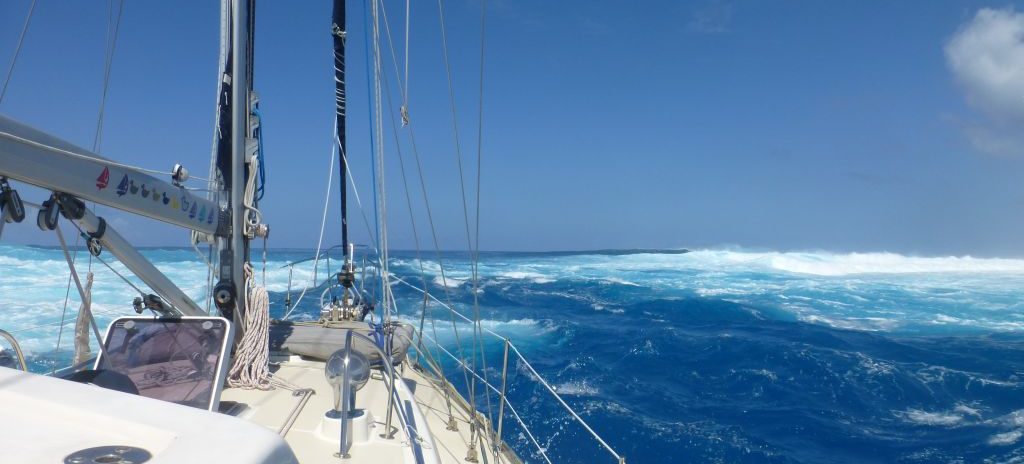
{"x": 709, "y": 356}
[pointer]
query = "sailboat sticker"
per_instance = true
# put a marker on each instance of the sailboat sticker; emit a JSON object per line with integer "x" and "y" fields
{"x": 104, "y": 179}
{"x": 122, "y": 187}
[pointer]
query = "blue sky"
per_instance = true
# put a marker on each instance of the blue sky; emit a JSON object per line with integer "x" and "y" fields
{"x": 854, "y": 126}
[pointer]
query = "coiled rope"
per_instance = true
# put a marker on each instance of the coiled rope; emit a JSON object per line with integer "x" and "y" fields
{"x": 250, "y": 368}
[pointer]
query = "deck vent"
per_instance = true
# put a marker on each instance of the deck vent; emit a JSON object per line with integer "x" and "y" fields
{"x": 109, "y": 455}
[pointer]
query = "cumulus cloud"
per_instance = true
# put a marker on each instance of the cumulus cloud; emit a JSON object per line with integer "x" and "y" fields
{"x": 986, "y": 56}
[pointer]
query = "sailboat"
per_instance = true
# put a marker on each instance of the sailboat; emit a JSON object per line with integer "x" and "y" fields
{"x": 178, "y": 382}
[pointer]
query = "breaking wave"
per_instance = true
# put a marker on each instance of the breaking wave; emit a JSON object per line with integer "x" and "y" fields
{"x": 711, "y": 355}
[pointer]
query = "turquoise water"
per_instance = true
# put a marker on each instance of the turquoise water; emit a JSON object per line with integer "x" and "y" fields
{"x": 709, "y": 356}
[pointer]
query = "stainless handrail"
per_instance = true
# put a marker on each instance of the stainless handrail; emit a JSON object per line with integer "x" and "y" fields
{"x": 17, "y": 348}
{"x": 503, "y": 401}
{"x": 386, "y": 361}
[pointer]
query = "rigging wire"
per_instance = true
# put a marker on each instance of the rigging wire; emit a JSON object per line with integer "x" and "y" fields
{"x": 430, "y": 219}
{"x": 359, "y": 203}
{"x": 323, "y": 225}
{"x": 111, "y": 268}
{"x": 416, "y": 241}
{"x": 17, "y": 50}
{"x": 405, "y": 88}
{"x": 78, "y": 284}
{"x": 475, "y": 256}
{"x": 388, "y": 297}
{"x": 369, "y": 114}
{"x": 465, "y": 208}
{"x": 111, "y": 46}
{"x": 85, "y": 156}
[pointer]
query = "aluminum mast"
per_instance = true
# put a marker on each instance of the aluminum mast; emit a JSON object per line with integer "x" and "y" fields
{"x": 232, "y": 162}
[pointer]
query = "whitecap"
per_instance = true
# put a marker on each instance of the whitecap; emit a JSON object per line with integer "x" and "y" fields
{"x": 581, "y": 388}
{"x": 917, "y": 416}
{"x": 1006, "y": 438}
{"x": 828, "y": 264}
{"x": 448, "y": 281}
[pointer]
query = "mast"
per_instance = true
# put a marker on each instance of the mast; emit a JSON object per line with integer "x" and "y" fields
{"x": 232, "y": 162}
{"x": 347, "y": 275}
{"x": 239, "y": 133}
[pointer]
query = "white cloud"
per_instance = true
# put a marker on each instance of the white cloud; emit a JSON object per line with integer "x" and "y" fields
{"x": 986, "y": 56}
{"x": 712, "y": 18}
{"x": 997, "y": 140}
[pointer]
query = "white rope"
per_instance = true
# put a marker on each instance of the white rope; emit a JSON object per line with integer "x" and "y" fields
{"x": 254, "y": 218}
{"x": 78, "y": 283}
{"x": 82, "y": 324}
{"x": 355, "y": 192}
{"x": 250, "y": 368}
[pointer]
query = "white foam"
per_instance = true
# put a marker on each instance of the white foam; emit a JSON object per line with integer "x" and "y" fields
{"x": 817, "y": 262}
{"x": 534, "y": 277}
{"x": 828, "y": 264}
{"x": 619, "y": 281}
{"x": 449, "y": 281}
{"x": 581, "y": 388}
{"x": 1007, "y": 438}
{"x": 918, "y": 416}
{"x": 968, "y": 411}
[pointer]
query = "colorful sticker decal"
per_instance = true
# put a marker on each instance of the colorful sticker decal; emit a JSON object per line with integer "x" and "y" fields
{"x": 192, "y": 212}
{"x": 184, "y": 203}
{"x": 104, "y": 179}
{"x": 122, "y": 187}
{"x": 209, "y": 220}
{"x": 132, "y": 187}
{"x": 202, "y": 213}
{"x": 166, "y": 200}
{"x": 145, "y": 191}
{"x": 174, "y": 203}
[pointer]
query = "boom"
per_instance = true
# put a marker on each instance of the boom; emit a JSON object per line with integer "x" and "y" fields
{"x": 40, "y": 159}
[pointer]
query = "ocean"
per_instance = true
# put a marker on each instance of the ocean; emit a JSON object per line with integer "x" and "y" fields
{"x": 707, "y": 356}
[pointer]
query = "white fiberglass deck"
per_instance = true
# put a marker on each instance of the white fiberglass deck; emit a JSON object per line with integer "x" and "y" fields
{"x": 46, "y": 419}
{"x": 315, "y": 439}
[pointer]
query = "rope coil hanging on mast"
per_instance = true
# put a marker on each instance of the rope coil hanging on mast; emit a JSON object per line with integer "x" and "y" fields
{"x": 250, "y": 368}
